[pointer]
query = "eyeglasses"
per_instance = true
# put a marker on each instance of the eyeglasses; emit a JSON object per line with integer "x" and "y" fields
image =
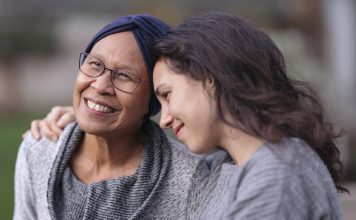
{"x": 122, "y": 80}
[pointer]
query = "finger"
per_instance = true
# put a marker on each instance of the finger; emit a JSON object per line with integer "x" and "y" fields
{"x": 49, "y": 126}
{"x": 55, "y": 113}
{"x": 35, "y": 129}
{"x": 66, "y": 119}
{"x": 52, "y": 130}
{"x": 47, "y": 131}
{"x": 52, "y": 126}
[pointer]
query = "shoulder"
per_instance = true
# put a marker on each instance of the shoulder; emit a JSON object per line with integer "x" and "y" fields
{"x": 174, "y": 190}
{"x": 290, "y": 154}
{"x": 291, "y": 160}
{"x": 184, "y": 164}
{"x": 34, "y": 151}
{"x": 302, "y": 163}
{"x": 180, "y": 152}
{"x": 289, "y": 177}
{"x": 206, "y": 163}
{"x": 38, "y": 153}
{"x": 33, "y": 165}
{"x": 190, "y": 169}
{"x": 179, "y": 147}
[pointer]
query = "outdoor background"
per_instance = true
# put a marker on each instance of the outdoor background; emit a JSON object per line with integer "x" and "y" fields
{"x": 40, "y": 42}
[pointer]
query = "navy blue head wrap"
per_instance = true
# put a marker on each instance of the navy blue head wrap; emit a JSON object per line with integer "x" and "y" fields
{"x": 146, "y": 29}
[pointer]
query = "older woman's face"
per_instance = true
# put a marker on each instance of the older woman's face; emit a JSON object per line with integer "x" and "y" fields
{"x": 101, "y": 109}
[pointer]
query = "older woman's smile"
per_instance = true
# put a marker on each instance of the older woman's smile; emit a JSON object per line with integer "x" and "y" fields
{"x": 99, "y": 106}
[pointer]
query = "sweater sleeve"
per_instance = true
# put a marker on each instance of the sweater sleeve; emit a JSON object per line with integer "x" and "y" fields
{"x": 24, "y": 197}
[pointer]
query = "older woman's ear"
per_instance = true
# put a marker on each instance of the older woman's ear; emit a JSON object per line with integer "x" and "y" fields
{"x": 209, "y": 85}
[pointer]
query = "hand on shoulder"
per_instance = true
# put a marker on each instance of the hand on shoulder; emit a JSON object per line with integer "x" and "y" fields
{"x": 53, "y": 124}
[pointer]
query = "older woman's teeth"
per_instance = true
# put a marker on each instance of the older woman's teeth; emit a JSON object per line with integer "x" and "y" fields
{"x": 97, "y": 107}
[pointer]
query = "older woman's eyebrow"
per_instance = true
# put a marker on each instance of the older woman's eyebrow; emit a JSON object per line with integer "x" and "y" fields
{"x": 120, "y": 66}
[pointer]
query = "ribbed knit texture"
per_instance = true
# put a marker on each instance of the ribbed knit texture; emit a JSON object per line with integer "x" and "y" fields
{"x": 281, "y": 181}
{"x": 74, "y": 196}
{"x": 121, "y": 198}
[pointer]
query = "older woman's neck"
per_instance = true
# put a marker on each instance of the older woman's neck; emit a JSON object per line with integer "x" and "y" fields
{"x": 100, "y": 158}
{"x": 115, "y": 151}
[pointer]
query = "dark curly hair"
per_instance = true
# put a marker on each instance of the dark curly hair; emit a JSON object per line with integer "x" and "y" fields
{"x": 251, "y": 81}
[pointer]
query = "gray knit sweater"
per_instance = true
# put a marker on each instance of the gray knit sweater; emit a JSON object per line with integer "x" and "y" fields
{"x": 281, "y": 181}
{"x": 41, "y": 169}
{"x": 287, "y": 180}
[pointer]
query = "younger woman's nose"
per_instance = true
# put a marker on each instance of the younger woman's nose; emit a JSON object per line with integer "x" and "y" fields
{"x": 166, "y": 119}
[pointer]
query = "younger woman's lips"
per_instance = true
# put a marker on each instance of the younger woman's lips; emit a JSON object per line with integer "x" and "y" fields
{"x": 177, "y": 129}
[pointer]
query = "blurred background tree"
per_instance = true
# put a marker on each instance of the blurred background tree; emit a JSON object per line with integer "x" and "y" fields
{"x": 30, "y": 37}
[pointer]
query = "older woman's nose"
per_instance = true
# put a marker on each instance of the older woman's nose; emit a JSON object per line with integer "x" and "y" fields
{"x": 103, "y": 85}
{"x": 166, "y": 118}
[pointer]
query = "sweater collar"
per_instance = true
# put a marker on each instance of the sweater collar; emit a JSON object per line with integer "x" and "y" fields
{"x": 122, "y": 198}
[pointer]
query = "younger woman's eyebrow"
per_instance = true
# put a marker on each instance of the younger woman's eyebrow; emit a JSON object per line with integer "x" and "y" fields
{"x": 161, "y": 88}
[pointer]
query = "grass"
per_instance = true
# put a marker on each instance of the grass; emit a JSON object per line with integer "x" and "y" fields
{"x": 11, "y": 129}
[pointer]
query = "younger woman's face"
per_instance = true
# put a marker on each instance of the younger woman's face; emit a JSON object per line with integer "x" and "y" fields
{"x": 187, "y": 107}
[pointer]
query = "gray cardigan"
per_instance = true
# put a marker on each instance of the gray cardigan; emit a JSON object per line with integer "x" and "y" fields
{"x": 36, "y": 159}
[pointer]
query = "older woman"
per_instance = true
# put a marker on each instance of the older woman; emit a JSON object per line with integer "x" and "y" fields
{"x": 113, "y": 163}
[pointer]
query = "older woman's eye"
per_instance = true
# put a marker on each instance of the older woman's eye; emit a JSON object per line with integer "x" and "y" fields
{"x": 122, "y": 76}
{"x": 95, "y": 64}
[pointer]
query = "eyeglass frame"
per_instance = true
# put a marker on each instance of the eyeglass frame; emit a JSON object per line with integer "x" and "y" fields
{"x": 85, "y": 55}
